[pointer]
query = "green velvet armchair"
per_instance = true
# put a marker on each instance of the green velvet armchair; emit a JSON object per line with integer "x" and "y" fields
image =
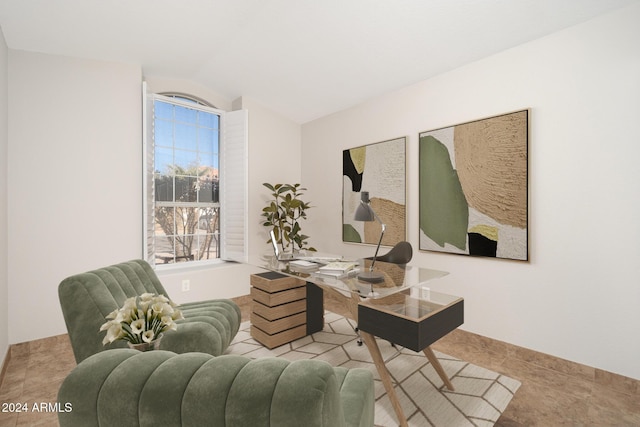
{"x": 124, "y": 387}
{"x": 86, "y": 298}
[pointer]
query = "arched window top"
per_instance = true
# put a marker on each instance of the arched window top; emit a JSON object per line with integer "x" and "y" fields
{"x": 189, "y": 98}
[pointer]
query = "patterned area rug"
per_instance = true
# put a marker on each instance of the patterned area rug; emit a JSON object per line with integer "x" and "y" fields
{"x": 479, "y": 398}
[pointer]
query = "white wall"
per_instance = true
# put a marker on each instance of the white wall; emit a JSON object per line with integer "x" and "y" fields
{"x": 75, "y": 192}
{"x": 577, "y": 298}
{"x": 75, "y": 181}
{"x": 4, "y": 284}
{"x": 274, "y": 157}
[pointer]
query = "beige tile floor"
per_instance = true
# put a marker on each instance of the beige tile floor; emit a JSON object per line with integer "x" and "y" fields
{"x": 553, "y": 392}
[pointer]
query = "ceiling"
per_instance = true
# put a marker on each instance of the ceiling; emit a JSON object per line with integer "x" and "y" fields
{"x": 302, "y": 58}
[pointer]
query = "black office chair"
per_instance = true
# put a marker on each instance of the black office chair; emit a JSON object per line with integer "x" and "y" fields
{"x": 401, "y": 254}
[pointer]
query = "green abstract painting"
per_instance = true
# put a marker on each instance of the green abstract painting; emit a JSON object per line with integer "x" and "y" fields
{"x": 473, "y": 188}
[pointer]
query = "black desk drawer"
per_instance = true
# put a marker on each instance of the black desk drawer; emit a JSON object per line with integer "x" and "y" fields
{"x": 407, "y": 331}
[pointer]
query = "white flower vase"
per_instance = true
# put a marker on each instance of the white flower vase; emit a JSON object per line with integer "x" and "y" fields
{"x": 146, "y": 346}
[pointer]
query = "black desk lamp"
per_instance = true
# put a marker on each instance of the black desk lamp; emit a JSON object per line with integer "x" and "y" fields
{"x": 366, "y": 213}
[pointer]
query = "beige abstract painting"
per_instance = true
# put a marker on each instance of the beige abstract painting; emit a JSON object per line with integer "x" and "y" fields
{"x": 380, "y": 169}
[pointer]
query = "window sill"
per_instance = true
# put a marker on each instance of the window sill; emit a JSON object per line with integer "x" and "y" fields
{"x": 191, "y": 266}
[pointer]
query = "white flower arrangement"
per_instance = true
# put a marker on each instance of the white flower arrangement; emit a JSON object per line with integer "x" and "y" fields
{"x": 141, "y": 319}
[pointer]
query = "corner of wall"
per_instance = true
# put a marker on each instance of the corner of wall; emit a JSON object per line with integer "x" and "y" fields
{"x": 4, "y": 252}
{"x": 236, "y": 104}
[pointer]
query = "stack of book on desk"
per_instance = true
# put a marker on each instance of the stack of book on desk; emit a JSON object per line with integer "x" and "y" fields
{"x": 303, "y": 266}
{"x": 337, "y": 269}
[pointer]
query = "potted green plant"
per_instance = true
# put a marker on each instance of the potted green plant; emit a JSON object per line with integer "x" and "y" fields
{"x": 283, "y": 214}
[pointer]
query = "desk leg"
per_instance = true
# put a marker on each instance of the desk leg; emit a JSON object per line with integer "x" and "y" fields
{"x": 351, "y": 304}
{"x": 378, "y": 361}
{"x": 438, "y": 367}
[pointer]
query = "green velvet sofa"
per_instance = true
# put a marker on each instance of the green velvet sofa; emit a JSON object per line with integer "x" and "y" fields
{"x": 86, "y": 298}
{"x": 124, "y": 387}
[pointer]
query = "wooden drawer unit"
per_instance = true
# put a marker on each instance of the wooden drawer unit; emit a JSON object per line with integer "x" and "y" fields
{"x": 278, "y": 298}
{"x": 279, "y": 309}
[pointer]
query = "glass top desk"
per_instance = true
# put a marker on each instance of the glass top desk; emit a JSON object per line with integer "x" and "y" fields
{"x": 399, "y": 309}
{"x": 397, "y": 278}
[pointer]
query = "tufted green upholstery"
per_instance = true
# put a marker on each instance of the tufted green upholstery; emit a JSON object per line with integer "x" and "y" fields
{"x": 124, "y": 387}
{"x": 86, "y": 298}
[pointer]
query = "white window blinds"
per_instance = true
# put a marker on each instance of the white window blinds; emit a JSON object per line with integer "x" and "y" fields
{"x": 233, "y": 186}
{"x": 148, "y": 204}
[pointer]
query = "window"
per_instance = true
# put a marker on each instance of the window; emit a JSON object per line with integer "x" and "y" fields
{"x": 195, "y": 181}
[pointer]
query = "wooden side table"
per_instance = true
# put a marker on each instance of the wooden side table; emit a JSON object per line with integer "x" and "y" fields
{"x": 284, "y": 309}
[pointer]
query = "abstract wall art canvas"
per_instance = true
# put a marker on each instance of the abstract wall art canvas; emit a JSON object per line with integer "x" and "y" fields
{"x": 473, "y": 186}
{"x": 380, "y": 169}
